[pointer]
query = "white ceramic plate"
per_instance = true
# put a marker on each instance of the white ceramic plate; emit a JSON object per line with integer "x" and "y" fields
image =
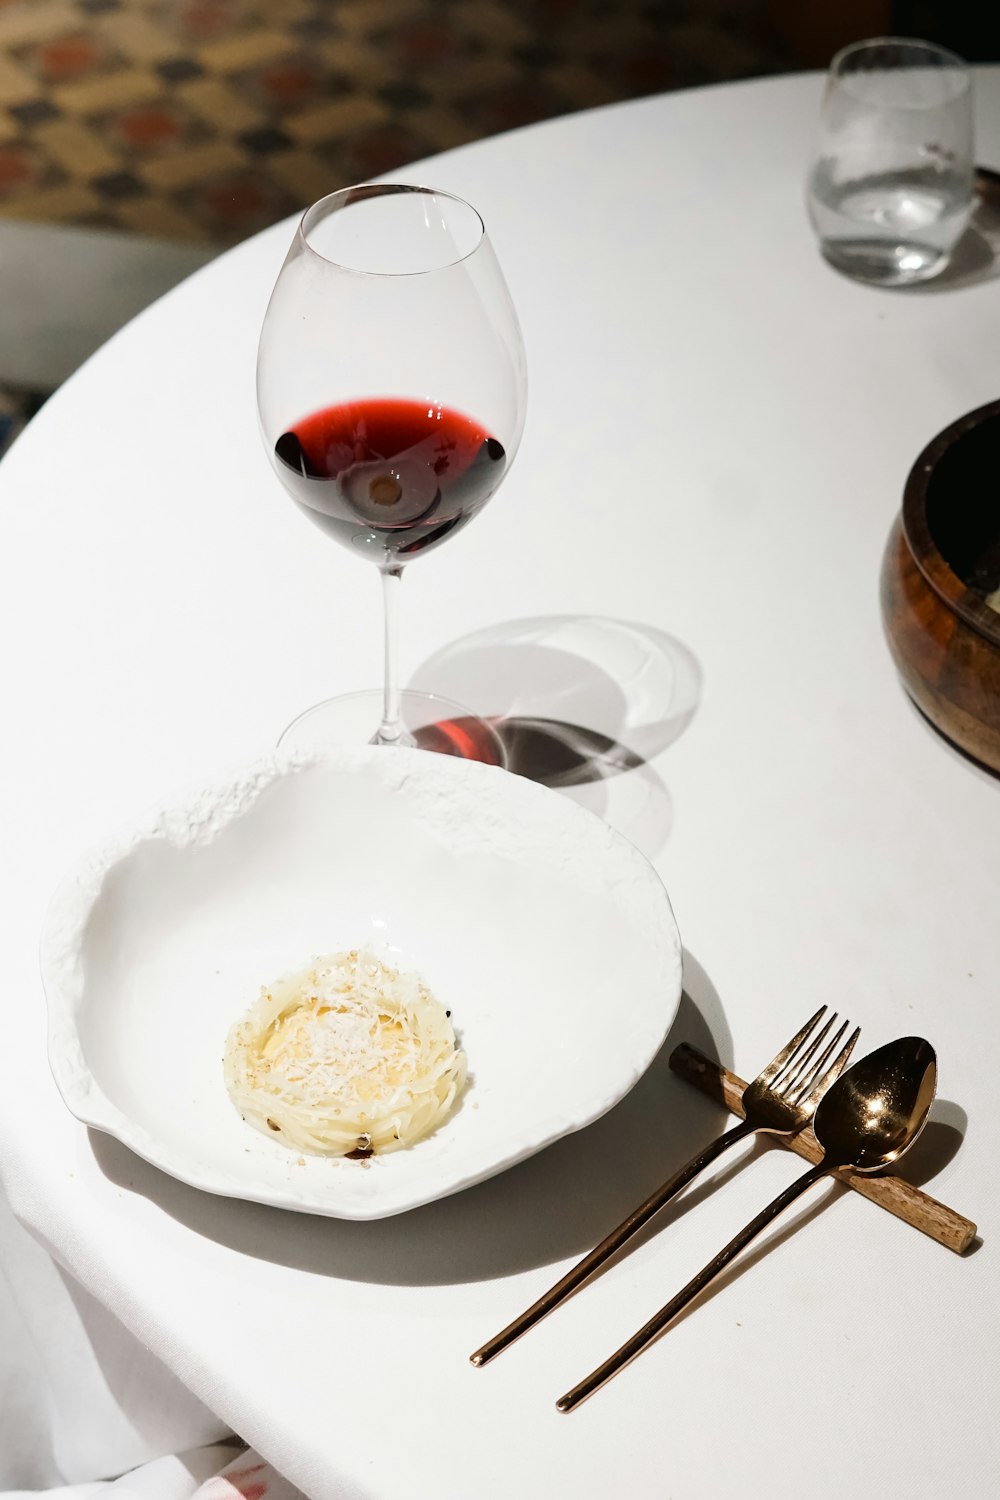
{"x": 548, "y": 936}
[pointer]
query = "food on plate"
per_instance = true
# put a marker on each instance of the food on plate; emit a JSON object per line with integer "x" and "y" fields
{"x": 347, "y": 1057}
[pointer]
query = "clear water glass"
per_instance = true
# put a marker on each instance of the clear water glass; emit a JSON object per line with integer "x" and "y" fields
{"x": 890, "y": 190}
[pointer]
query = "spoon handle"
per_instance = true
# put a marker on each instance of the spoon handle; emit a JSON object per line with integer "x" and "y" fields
{"x": 586, "y": 1267}
{"x": 697, "y": 1284}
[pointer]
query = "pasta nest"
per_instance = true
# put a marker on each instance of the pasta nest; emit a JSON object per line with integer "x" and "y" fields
{"x": 349, "y": 1056}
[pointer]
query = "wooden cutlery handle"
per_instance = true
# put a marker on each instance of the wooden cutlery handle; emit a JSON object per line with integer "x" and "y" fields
{"x": 892, "y": 1193}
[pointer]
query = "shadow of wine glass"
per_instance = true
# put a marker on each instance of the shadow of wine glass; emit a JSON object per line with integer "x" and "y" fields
{"x": 579, "y": 763}
{"x": 556, "y": 1204}
{"x": 580, "y": 702}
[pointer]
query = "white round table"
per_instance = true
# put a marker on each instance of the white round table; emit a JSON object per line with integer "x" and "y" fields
{"x": 719, "y": 431}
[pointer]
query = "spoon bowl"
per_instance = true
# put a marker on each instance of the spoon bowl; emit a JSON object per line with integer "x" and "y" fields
{"x": 876, "y": 1109}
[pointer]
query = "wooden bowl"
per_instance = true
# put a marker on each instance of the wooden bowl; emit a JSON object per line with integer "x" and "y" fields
{"x": 941, "y": 562}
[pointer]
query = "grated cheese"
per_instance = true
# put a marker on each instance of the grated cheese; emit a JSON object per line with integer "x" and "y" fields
{"x": 347, "y": 1057}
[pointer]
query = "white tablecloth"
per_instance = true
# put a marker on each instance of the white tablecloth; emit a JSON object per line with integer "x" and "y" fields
{"x": 719, "y": 431}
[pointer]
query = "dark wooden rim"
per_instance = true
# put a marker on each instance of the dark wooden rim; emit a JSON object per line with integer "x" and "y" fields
{"x": 968, "y": 605}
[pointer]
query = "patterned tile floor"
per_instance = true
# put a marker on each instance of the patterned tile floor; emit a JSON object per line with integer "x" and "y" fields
{"x": 198, "y": 122}
{"x": 204, "y": 120}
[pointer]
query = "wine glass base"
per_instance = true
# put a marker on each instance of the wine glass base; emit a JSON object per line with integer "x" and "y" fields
{"x": 431, "y": 723}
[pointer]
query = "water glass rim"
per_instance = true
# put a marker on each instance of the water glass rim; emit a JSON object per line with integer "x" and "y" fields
{"x": 343, "y": 198}
{"x": 931, "y": 53}
{"x": 914, "y": 44}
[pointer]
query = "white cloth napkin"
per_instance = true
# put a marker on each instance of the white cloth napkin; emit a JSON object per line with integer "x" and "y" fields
{"x": 80, "y": 1399}
{"x": 71, "y": 1407}
{"x": 184, "y": 1476}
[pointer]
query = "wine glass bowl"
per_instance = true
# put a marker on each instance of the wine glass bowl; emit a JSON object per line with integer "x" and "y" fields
{"x": 391, "y": 380}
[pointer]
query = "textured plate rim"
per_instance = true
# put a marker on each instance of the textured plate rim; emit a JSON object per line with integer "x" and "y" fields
{"x": 198, "y": 815}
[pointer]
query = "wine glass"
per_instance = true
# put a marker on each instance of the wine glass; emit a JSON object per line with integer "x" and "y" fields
{"x": 391, "y": 391}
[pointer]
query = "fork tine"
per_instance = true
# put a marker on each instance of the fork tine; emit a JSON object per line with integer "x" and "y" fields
{"x": 811, "y": 1068}
{"x": 778, "y": 1062}
{"x": 818, "y": 1086}
{"x": 807, "y": 1076}
{"x": 791, "y": 1076}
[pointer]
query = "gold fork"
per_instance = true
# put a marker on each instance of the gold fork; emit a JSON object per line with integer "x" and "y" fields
{"x": 780, "y": 1101}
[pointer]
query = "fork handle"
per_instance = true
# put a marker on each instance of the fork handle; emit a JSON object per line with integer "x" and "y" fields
{"x": 697, "y": 1284}
{"x": 586, "y": 1267}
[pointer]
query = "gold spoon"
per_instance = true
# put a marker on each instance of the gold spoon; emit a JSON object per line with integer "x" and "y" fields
{"x": 865, "y": 1121}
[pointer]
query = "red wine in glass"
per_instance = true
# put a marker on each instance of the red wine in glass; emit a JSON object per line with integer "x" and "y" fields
{"x": 389, "y": 472}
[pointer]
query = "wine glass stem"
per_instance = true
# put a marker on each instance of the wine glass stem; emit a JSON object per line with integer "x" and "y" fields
{"x": 391, "y": 731}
